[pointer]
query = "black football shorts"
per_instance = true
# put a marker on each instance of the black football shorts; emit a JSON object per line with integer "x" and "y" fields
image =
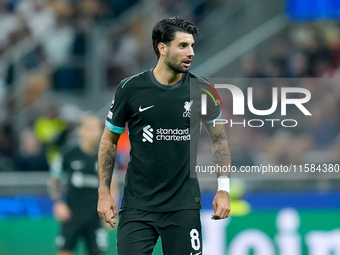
{"x": 91, "y": 230}
{"x": 180, "y": 232}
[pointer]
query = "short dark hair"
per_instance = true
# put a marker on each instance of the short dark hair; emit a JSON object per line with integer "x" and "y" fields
{"x": 165, "y": 29}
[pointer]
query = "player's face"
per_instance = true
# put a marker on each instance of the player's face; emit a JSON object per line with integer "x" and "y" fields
{"x": 180, "y": 52}
{"x": 91, "y": 130}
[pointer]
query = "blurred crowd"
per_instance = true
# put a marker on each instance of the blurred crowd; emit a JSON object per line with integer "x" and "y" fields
{"x": 59, "y": 29}
{"x": 309, "y": 50}
{"x": 307, "y": 58}
{"x": 47, "y": 43}
{"x": 39, "y": 38}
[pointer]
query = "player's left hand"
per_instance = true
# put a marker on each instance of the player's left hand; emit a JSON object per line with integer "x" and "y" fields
{"x": 221, "y": 205}
{"x": 106, "y": 207}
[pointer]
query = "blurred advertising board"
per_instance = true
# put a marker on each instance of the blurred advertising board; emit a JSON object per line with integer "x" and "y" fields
{"x": 267, "y": 223}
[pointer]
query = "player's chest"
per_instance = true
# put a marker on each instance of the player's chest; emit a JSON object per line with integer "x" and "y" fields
{"x": 83, "y": 172}
{"x": 163, "y": 106}
{"x": 86, "y": 165}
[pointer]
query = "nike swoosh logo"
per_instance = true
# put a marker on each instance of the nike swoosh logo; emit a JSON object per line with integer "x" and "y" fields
{"x": 144, "y": 109}
{"x": 196, "y": 253}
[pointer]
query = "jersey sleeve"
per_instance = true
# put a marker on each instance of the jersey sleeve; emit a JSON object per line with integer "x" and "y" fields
{"x": 117, "y": 115}
{"x": 213, "y": 104}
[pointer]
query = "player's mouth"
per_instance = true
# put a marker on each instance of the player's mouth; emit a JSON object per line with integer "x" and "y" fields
{"x": 187, "y": 63}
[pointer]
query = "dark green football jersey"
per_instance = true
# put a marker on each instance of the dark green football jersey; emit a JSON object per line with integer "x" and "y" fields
{"x": 82, "y": 180}
{"x": 164, "y": 124}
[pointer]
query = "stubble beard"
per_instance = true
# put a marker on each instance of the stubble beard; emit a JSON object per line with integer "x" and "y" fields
{"x": 170, "y": 61}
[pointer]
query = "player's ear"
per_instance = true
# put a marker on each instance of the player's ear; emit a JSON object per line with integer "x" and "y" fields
{"x": 162, "y": 48}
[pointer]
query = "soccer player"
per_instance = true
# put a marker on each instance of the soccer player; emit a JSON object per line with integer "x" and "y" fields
{"x": 160, "y": 199}
{"x": 78, "y": 213}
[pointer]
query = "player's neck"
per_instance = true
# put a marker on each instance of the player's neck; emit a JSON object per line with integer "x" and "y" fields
{"x": 165, "y": 75}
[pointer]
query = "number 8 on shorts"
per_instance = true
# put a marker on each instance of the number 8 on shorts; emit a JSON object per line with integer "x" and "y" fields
{"x": 195, "y": 241}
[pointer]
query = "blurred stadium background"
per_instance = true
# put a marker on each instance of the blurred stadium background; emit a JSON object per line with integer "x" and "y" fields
{"x": 60, "y": 58}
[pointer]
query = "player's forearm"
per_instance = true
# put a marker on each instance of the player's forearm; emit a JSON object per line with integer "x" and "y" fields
{"x": 106, "y": 161}
{"x": 55, "y": 189}
{"x": 221, "y": 155}
{"x": 220, "y": 147}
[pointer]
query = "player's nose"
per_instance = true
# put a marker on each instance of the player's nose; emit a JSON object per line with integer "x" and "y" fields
{"x": 191, "y": 52}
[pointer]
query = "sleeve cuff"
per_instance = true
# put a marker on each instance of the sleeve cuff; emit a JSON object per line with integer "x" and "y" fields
{"x": 113, "y": 128}
{"x": 212, "y": 121}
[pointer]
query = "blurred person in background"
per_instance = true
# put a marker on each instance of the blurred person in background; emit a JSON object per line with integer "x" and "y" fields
{"x": 78, "y": 213}
{"x": 31, "y": 157}
{"x": 323, "y": 126}
{"x": 297, "y": 65}
{"x": 50, "y": 129}
{"x": 39, "y": 16}
{"x": 6, "y": 146}
{"x": 160, "y": 198}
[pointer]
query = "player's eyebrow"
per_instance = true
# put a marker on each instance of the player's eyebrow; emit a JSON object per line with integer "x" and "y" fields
{"x": 186, "y": 43}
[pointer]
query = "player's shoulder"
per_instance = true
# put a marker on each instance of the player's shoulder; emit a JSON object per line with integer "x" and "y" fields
{"x": 200, "y": 80}
{"x": 133, "y": 80}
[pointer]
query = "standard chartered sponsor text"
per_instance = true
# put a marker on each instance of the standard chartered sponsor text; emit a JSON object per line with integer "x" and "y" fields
{"x": 173, "y": 134}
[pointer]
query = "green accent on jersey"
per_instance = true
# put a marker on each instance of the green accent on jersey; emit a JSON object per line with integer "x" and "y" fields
{"x": 210, "y": 95}
{"x": 212, "y": 121}
{"x": 115, "y": 129}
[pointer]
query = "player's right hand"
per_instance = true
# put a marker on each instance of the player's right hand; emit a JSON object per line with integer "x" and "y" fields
{"x": 107, "y": 208}
{"x": 61, "y": 211}
{"x": 221, "y": 205}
